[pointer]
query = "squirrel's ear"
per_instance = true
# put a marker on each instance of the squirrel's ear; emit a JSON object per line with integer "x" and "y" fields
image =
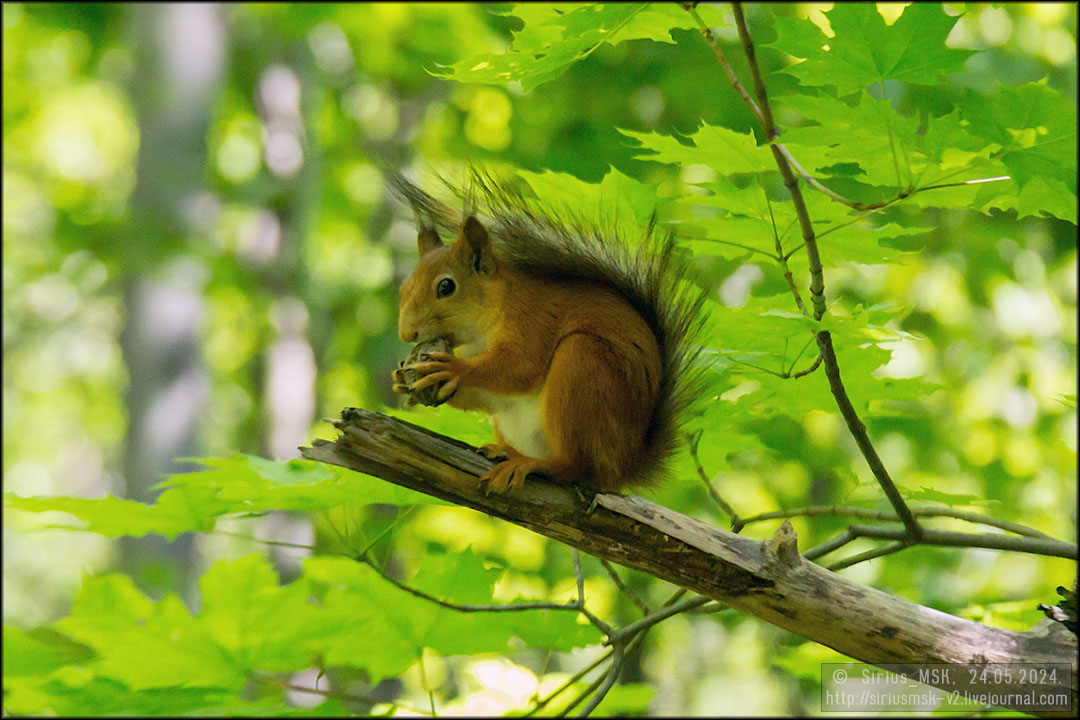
{"x": 479, "y": 244}
{"x": 428, "y": 239}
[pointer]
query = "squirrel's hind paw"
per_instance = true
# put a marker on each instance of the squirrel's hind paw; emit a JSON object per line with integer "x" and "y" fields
{"x": 511, "y": 473}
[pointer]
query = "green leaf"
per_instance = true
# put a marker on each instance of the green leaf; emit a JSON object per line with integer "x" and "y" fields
{"x": 38, "y": 652}
{"x": 723, "y": 150}
{"x": 1035, "y": 126}
{"x": 658, "y": 19}
{"x": 551, "y": 41}
{"x": 253, "y": 484}
{"x": 865, "y": 50}
{"x": 264, "y": 626}
{"x": 1047, "y": 196}
{"x": 617, "y": 196}
{"x": 170, "y": 516}
{"x": 557, "y": 35}
{"x": 864, "y": 244}
{"x": 858, "y": 242}
{"x": 383, "y": 628}
{"x": 859, "y": 363}
{"x": 143, "y": 644}
{"x": 75, "y": 692}
{"x": 193, "y": 501}
{"x": 869, "y": 135}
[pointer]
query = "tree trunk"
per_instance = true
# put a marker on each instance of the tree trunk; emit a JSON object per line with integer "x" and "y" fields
{"x": 179, "y": 71}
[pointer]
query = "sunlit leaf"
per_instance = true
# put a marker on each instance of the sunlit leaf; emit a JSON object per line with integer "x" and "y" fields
{"x": 865, "y": 50}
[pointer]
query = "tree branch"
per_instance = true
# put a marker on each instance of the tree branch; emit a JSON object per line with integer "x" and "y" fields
{"x": 817, "y": 278}
{"x": 946, "y": 538}
{"x": 769, "y": 580}
{"x": 865, "y": 514}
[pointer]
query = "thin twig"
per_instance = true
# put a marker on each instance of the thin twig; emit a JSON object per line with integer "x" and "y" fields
{"x": 660, "y": 615}
{"x": 764, "y": 111}
{"x": 829, "y": 545}
{"x": 724, "y": 505}
{"x": 585, "y": 693}
{"x": 881, "y": 551}
{"x": 623, "y": 587}
{"x": 817, "y": 294}
{"x": 675, "y": 597}
{"x": 579, "y": 576}
{"x": 783, "y": 259}
{"x": 767, "y": 371}
{"x": 540, "y": 704}
{"x": 965, "y": 182}
{"x": 812, "y": 368}
{"x": 993, "y": 541}
{"x": 580, "y": 604}
{"x": 862, "y": 439}
{"x": 943, "y": 538}
{"x": 515, "y": 607}
{"x": 735, "y": 82}
{"x": 865, "y": 514}
{"x": 741, "y": 246}
{"x": 630, "y": 640}
{"x": 608, "y": 682}
{"x": 275, "y": 543}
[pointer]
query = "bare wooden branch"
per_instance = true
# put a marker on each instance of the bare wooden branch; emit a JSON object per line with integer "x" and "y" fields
{"x": 867, "y": 514}
{"x": 993, "y": 541}
{"x": 768, "y": 580}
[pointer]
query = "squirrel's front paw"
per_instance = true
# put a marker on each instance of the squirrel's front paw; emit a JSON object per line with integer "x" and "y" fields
{"x": 440, "y": 367}
{"x": 401, "y": 387}
{"x": 407, "y": 377}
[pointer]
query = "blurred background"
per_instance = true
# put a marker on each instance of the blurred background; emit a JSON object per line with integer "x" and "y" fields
{"x": 199, "y": 258}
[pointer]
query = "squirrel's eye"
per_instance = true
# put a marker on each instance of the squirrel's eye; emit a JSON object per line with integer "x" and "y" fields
{"x": 445, "y": 287}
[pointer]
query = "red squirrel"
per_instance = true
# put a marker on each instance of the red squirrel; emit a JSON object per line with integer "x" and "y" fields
{"x": 579, "y": 348}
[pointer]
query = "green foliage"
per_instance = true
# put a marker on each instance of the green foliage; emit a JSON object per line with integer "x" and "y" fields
{"x": 866, "y": 51}
{"x": 119, "y": 643}
{"x": 952, "y": 308}
{"x": 1036, "y": 129}
{"x": 240, "y": 485}
{"x": 556, "y": 35}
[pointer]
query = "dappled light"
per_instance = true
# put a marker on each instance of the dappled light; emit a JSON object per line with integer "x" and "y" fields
{"x": 204, "y": 262}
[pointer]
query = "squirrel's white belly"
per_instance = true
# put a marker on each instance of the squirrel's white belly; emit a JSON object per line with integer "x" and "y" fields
{"x": 520, "y": 421}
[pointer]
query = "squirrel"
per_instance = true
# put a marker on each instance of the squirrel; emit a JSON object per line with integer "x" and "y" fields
{"x": 578, "y": 347}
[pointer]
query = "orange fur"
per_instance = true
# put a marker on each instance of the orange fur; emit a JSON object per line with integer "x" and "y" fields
{"x": 575, "y": 348}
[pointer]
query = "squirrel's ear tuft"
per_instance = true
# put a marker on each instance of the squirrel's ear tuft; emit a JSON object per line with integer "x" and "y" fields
{"x": 428, "y": 239}
{"x": 479, "y": 244}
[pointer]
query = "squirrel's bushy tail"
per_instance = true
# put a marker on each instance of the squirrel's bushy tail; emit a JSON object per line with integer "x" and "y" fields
{"x": 540, "y": 239}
